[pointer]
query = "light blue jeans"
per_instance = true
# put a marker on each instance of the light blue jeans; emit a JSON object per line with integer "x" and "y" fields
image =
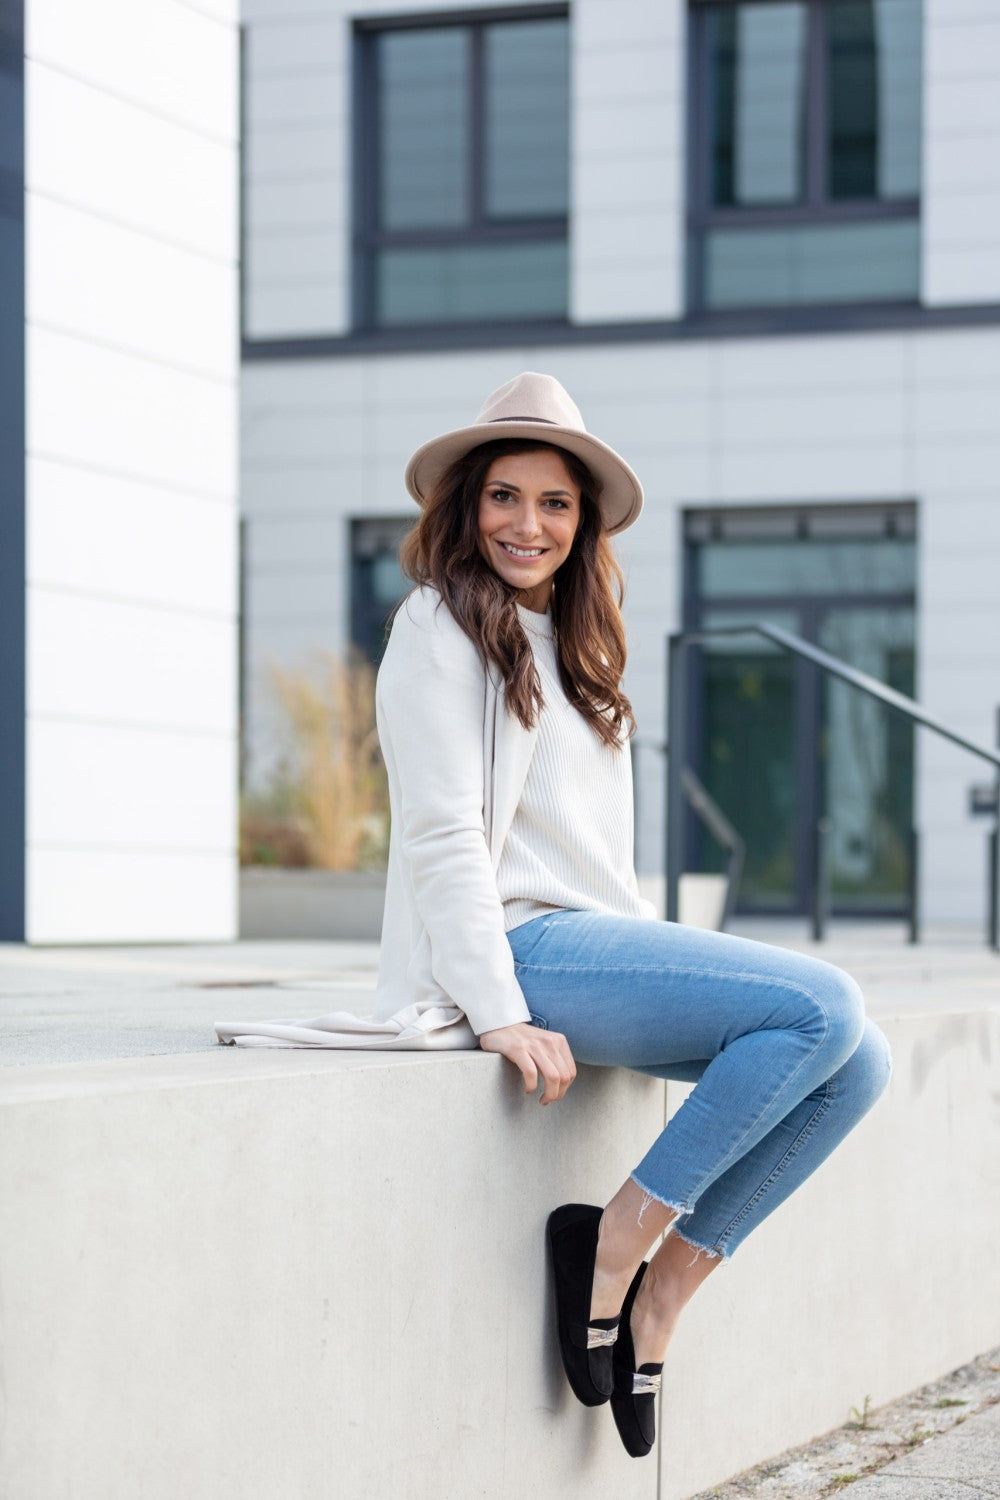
{"x": 783, "y": 1060}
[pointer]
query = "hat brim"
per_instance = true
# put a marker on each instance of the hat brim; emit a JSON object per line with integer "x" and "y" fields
{"x": 620, "y": 499}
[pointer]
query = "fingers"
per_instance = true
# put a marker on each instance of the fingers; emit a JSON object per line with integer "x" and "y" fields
{"x": 537, "y": 1054}
{"x": 554, "y": 1061}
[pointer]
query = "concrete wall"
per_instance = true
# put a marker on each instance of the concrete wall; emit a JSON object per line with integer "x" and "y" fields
{"x": 132, "y": 125}
{"x": 249, "y": 1275}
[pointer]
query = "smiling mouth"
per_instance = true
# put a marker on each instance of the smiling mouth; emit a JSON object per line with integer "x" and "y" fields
{"x": 528, "y": 552}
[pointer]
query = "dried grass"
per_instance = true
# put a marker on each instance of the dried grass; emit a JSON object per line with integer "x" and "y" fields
{"x": 327, "y": 804}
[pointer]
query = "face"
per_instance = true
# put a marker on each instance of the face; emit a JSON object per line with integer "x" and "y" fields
{"x": 529, "y": 512}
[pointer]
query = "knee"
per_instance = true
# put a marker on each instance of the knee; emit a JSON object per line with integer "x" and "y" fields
{"x": 843, "y": 1006}
{"x": 871, "y": 1062}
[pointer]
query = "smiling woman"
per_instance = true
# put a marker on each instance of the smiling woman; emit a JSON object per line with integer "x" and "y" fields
{"x": 513, "y": 918}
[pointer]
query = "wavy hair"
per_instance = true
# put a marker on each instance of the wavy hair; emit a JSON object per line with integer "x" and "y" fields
{"x": 443, "y": 549}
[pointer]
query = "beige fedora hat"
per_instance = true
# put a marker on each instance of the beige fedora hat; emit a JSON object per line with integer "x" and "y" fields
{"x": 537, "y": 407}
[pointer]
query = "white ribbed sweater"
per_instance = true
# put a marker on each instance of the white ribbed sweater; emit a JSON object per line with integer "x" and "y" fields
{"x": 570, "y": 840}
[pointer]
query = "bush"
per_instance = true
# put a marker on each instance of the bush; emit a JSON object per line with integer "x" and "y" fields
{"x": 326, "y": 805}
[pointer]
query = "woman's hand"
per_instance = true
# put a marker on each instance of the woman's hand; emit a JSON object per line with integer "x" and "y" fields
{"x": 534, "y": 1051}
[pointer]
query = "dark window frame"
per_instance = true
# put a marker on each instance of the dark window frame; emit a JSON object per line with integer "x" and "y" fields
{"x": 816, "y": 209}
{"x": 366, "y": 237}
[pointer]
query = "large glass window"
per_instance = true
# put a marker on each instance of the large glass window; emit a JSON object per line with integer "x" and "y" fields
{"x": 806, "y": 154}
{"x": 781, "y": 747}
{"x": 463, "y": 170}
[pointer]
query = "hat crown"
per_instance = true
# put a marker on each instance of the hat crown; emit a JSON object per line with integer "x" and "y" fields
{"x": 531, "y": 397}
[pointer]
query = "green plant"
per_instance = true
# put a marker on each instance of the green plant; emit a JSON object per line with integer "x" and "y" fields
{"x": 840, "y": 1481}
{"x": 943, "y": 1401}
{"x": 325, "y": 804}
{"x": 863, "y": 1418}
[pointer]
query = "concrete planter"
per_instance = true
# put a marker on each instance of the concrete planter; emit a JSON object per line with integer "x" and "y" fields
{"x": 311, "y": 903}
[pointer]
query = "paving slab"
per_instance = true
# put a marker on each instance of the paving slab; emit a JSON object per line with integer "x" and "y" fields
{"x": 962, "y": 1462}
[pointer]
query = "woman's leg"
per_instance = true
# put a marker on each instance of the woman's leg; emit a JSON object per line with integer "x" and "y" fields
{"x": 774, "y": 1034}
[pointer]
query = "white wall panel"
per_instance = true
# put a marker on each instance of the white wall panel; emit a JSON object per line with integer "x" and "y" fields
{"x": 279, "y": 205}
{"x": 307, "y": 593}
{"x": 96, "y": 786}
{"x": 111, "y": 896}
{"x": 963, "y": 464}
{"x": 104, "y": 409}
{"x": 120, "y": 286}
{"x": 102, "y": 662}
{"x": 96, "y": 533}
{"x": 103, "y": 154}
{"x": 165, "y": 58}
{"x": 132, "y": 368}
{"x": 296, "y": 43}
{"x": 306, "y": 490}
{"x": 303, "y": 97}
{"x": 961, "y": 212}
{"x": 818, "y": 364}
{"x": 287, "y": 309}
{"x": 317, "y": 150}
{"x": 274, "y": 544}
{"x": 840, "y": 472}
{"x": 310, "y": 255}
{"x": 276, "y": 435}
{"x": 627, "y": 149}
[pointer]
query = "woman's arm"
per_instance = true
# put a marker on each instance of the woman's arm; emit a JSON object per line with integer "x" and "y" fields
{"x": 431, "y": 705}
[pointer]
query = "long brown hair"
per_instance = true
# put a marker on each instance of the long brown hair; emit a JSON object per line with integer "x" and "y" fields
{"x": 443, "y": 550}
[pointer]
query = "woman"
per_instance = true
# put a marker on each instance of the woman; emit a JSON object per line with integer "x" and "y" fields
{"x": 512, "y": 895}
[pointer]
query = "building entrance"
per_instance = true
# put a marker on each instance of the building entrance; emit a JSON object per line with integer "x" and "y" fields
{"x": 777, "y": 745}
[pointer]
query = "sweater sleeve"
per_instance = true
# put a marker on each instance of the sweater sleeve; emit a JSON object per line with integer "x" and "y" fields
{"x": 431, "y": 702}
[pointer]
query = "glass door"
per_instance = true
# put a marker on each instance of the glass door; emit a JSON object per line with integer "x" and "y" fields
{"x": 777, "y": 743}
{"x": 868, "y": 755}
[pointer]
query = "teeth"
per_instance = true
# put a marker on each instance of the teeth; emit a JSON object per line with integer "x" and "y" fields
{"x": 522, "y": 551}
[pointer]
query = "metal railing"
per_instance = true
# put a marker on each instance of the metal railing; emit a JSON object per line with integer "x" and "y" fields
{"x": 678, "y": 715}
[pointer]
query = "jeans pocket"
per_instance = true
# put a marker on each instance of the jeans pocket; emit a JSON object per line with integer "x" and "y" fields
{"x": 538, "y": 1021}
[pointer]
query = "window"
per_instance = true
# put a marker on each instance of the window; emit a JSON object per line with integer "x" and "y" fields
{"x": 463, "y": 170}
{"x": 806, "y": 159}
{"x": 780, "y": 746}
{"x": 377, "y": 582}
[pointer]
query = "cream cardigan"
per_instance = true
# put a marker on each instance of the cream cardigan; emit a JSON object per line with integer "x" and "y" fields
{"x": 456, "y": 764}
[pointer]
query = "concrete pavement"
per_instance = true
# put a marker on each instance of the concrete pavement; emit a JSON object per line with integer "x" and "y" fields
{"x": 958, "y": 1465}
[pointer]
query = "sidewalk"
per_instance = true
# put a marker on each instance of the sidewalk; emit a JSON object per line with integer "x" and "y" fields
{"x": 958, "y": 1465}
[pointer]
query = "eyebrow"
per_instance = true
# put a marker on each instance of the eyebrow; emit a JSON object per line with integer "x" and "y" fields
{"x": 507, "y": 485}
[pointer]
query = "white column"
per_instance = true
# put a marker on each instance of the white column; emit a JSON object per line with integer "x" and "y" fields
{"x": 132, "y": 126}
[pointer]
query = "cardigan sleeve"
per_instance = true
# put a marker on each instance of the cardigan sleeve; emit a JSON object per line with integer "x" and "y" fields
{"x": 431, "y": 701}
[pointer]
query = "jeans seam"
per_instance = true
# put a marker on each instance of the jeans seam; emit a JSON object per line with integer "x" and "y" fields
{"x": 807, "y": 1130}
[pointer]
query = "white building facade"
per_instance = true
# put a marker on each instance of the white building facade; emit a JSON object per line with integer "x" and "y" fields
{"x": 118, "y": 513}
{"x": 759, "y": 242}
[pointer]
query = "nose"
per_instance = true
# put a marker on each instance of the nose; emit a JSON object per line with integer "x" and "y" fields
{"x": 526, "y": 522}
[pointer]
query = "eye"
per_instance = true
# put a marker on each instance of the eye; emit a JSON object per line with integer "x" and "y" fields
{"x": 559, "y": 504}
{"x": 501, "y": 494}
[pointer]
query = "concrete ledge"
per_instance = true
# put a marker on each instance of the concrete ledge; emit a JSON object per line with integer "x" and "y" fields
{"x": 295, "y": 1275}
{"x": 290, "y": 1274}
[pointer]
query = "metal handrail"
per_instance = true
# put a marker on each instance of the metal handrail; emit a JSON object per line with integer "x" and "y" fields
{"x": 715, "y": 820}
{"x": 834, "y": 667}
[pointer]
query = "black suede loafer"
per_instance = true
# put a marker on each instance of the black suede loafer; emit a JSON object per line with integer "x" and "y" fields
{"x": 633, "y": 1401}
{"x": 586, "y": 1343}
